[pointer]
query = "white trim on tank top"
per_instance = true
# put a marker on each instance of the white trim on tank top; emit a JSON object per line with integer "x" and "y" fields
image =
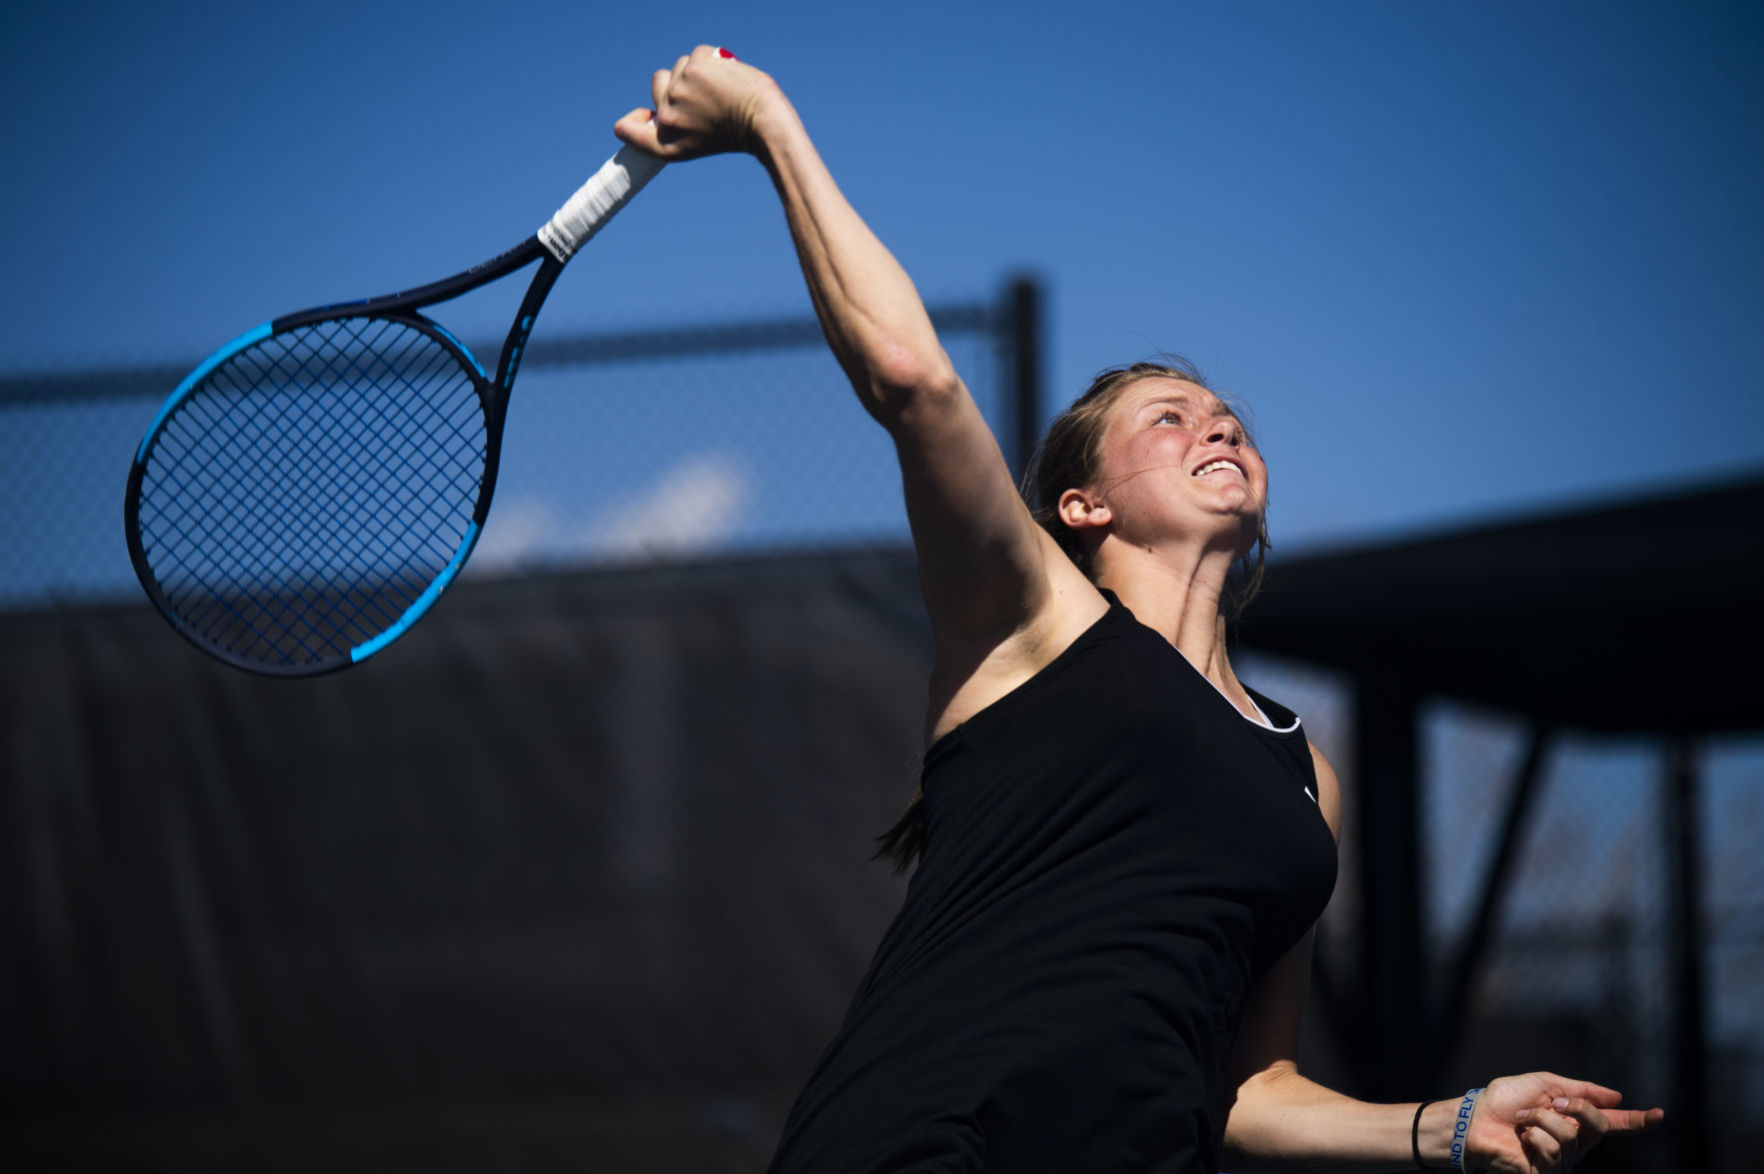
{"x": 1261, "y": 719}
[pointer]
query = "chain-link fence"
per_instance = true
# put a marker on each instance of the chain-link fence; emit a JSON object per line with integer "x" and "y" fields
{"x": 1577, "y": 975}
{"x": 742, "y": 439}
{"x": 731, "y": 438}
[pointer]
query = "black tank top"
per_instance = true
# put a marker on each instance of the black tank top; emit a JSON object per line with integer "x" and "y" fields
{"x": 1113, "y": 855}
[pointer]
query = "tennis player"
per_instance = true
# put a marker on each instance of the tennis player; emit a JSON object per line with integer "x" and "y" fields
{"x": 1101, "y": 960}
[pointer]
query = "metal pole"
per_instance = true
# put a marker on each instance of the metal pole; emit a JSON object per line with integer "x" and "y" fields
{"x": 1023, "y": 313}
{"x": 1690, "y": 1086}
{"x": 1448, "y": 1019}
{"x": 1392, "y": 980}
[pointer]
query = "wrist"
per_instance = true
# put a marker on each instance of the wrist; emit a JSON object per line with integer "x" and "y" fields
{"x": 1434, "y": 1137}
{"x": 770, "y": 120}
{"x": 1448, "y": 1136}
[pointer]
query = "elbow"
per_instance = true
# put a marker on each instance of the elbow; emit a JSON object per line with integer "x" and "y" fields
{"x": 910, "y": 382}
{"x": 1258, "y": 1125}
{"x": 1269, "y": 1083}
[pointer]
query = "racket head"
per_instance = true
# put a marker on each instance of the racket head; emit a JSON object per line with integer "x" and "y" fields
{"x": 311, "y": 489}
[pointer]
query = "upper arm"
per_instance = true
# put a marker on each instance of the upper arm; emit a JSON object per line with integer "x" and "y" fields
{"x": 986, "y": 568}
{"x": 1273, "y": 1012}
{"x": 1328, "y": 792}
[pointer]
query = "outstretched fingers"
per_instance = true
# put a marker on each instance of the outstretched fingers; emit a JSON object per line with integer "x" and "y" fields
{"x": 1588, "y": 1119}
{"x": 1572, "y": 1095}
{"x": 1598, "y": 1094}
{"x": 1634, "y": 1120}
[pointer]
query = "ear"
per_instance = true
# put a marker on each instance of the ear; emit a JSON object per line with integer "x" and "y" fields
{"x": 1082, "y": 510}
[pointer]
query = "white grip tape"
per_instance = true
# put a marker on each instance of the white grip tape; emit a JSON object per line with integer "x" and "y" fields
{"x": 597, "y": 201}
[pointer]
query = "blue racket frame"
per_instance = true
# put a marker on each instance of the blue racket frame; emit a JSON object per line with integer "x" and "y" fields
{"x": 401, "y": 308}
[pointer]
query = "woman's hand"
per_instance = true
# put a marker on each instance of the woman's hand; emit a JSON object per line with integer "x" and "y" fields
{"x": 1541, "y": 1122}
{"x": 708, "y": 103}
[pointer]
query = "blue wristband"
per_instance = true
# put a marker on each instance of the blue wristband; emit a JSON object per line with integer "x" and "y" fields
{"x": 1461, "y": 1128}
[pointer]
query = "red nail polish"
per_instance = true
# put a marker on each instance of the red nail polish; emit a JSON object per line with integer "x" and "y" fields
{"x": 725, "y": 53}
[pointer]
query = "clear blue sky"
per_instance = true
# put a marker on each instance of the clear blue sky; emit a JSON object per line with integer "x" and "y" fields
{"x": 1463, "y": 259}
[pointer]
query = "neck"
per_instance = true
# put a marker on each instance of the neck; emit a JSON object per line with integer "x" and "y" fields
{"x": 1178, "y": 595}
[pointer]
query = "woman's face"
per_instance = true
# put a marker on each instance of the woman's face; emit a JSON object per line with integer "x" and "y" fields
{"x": 1177, "y": 462}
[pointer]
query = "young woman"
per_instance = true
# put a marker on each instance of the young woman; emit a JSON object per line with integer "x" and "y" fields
{"x": 1101, "y": 961}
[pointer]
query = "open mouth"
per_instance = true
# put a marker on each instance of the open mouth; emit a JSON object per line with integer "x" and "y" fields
{"x": 1219, "y": 466}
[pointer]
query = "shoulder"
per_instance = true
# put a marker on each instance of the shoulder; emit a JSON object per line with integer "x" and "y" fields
{"x": 971, "y": 671}
{"x": 1328, "y": 790}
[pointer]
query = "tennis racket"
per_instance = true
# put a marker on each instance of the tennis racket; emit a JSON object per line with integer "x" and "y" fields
{"x": 312, "y": 488}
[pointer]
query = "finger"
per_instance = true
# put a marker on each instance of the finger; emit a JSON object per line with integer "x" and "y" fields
{"x": 1564, "y": 1131}
{"x": 1593, "y": 1123}
{"x": 1634, "y": 1120}
{"x": 637, "y": 128}
{"x": 1598, "y": 1094}
{"x": 658, "y": 85}
{"x": 1545, "y": 1151}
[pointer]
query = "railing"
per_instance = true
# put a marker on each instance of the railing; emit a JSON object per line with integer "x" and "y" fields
{"x": 735, "y": 437}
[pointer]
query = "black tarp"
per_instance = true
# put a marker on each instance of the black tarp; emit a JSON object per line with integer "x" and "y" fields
{"x": 574, "y": 876}
{"x": 1593, "y": 618}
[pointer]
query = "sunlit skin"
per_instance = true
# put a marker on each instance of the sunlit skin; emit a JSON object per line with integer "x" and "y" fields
{"x": 1161, "y": 433}
{"x": 1165, "y": 533}
{"x": 1005, "y": 600}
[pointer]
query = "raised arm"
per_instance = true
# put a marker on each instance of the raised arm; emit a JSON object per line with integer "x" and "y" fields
{"x": 984, "y": 563}
{"x": 868, "y": 307}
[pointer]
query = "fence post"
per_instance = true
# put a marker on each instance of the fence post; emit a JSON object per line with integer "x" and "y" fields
{"x": 1392, "y": 975}
{"x": 1690, "y": 1066}
{"x": 1023, "y": 320}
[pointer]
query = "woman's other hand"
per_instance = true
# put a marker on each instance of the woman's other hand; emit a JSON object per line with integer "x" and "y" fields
{"x": 1541, "y": 1122}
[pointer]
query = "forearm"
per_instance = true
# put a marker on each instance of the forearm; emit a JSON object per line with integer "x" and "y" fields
{"x": 1283, "y": 1121}
{"x": 874, "y": 321}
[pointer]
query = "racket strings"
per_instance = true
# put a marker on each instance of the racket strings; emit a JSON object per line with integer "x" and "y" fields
{"x": 311, "y": 487}
{"x": 349, "y": 477}
{"x": 283, "y": 621}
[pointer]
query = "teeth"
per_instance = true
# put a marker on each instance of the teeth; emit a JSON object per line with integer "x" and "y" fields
{"x": 1214, "y": 465}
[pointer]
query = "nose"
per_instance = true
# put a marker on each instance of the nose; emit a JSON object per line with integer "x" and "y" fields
{"x": 1225, "y": 430}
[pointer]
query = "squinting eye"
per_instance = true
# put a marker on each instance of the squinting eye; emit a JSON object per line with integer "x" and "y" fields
{"x": 1170, "y": 416}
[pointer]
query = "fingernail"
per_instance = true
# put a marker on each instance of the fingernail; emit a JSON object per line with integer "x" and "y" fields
{"x": 728, "y": 55}
{"x": 1560, "y": 1103}
{"x": 1522, "y": 1114}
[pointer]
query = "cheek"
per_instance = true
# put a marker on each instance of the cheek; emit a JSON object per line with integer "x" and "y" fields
{"x": 1163, "y": 448}
{"x": 1259, "y": 479}
{"x": 1129, "y": 461}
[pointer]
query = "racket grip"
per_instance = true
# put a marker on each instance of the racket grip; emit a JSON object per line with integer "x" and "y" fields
{"x": 598, "y": 201}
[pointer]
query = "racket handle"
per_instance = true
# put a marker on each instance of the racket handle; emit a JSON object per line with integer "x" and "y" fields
{"x": 598, "y": 201}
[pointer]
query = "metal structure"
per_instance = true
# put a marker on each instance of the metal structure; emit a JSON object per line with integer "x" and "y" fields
{"x": 1537, "y": 618}
{"x": 768, "y": 391}
{"x": 1567, "y": 621}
